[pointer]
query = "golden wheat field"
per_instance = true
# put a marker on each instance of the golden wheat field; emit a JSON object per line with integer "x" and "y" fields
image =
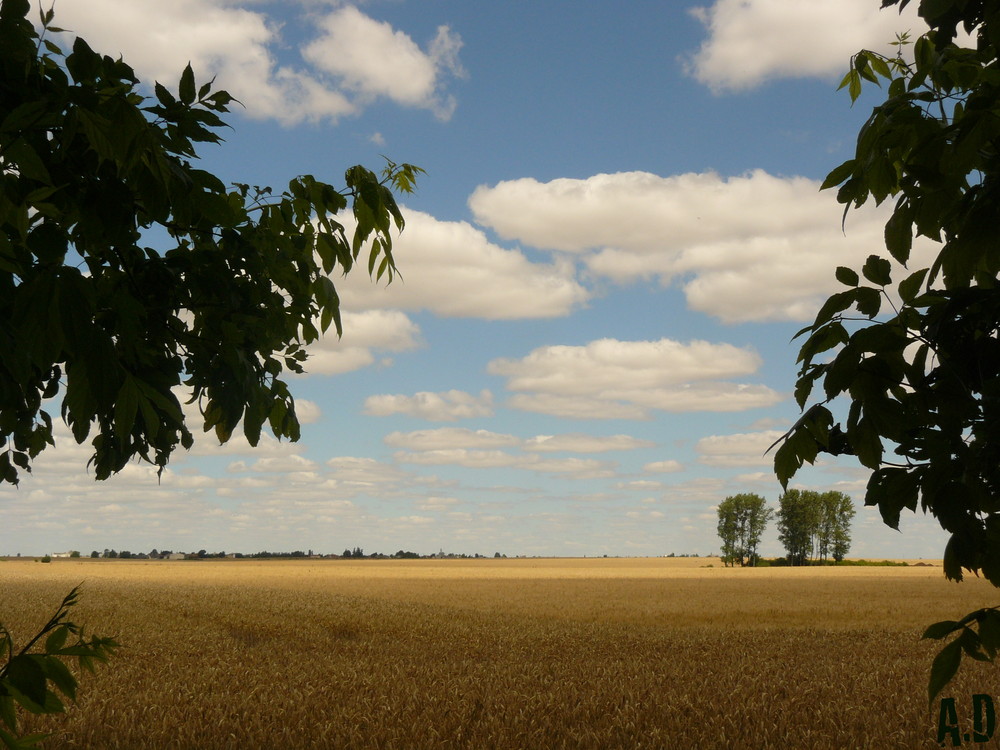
{"x": 588, "y": 653}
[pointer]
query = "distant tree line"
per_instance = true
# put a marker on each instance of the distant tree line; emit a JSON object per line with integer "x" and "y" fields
{"x": 812, "y": 526}
{"x": 357, "y": 553}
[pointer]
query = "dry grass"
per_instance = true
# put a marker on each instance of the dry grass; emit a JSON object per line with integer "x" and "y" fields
{"x": 501, "y": 653}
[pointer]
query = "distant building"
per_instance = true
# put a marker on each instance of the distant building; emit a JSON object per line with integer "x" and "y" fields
{"x": 61, "y": 554}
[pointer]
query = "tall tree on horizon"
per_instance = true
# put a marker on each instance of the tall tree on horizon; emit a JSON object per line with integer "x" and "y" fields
{"x": 742, "y": 520}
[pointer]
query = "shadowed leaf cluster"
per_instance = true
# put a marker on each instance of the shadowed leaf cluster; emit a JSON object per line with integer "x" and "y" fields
{"x": 129, "y": 276}
{"x": 916, "y": 354}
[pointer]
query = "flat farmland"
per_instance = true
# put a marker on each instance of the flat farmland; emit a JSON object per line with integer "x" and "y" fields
{"x": 581, "y": 653}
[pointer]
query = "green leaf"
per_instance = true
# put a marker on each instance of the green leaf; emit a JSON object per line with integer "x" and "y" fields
{"x": 877, "y": 270}
{"x": 945, "y": 665}
{"x": 952, "y": 563}
{"x": 835, "y": 304}
{"x": 26, "y": 676}
{"x": 847, "y": 276}
{"x": 940, "y": 630}
{"x": 786, "y": 462}
{"x": 909, "y": 287}
{"x": 27, "y": 161}
{"x": 879, "y": 65}
{"x": 868, "y": 301}
{"x": 867, "y": 444}
{"x": 186, "y": 89}
{"x": 56, "y": 639}
{"x": 23, "y": 116}
{"x": 899, "y": 233}
{"x": 99, "y": 132}
{"x": 972, "y": 646}
{"x": 989, "y": 631}
{"x": 826, "y": 338}
{"x": 60, "y": 675}
{"x": 164, "y": 96}
{"x": 852, "y": 80}
{"x": 126, "y": 406}
{"x": 839, "y": 174}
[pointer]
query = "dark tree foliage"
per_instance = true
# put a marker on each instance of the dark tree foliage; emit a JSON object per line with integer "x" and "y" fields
{"x": 814, "y": 525}
{"x": 127, "y": 273}
{"x": 742, "y": 519}
{"x": 918, "y": 357}
{"x": 798, "y": 519}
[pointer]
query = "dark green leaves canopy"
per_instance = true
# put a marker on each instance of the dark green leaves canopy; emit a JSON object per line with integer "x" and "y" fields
{"x": 918, "y": 356}
{"x": 127, "y": 273}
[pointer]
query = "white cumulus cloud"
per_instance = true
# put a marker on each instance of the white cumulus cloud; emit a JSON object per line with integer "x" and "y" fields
{"x": 725, "y": 240}
{"x": 375, "y": 60}
{"x": 608, "y": 378}
{"x": 751, "y": 41}
{"x": 664, "y": 467}
{"x": 365, "y": 333}
{"x": 453, "y": 270}
{"x": 349, "y": 60}
{"x": 291, "y": 463}
{"x": 571, "y": 468}
{"x": 580, "y": 443}
{"x": 437, "y": 503}
{"x": 449, "y": 437}
{"x": 447, "y": 406}
{"x": 742, "y": 449}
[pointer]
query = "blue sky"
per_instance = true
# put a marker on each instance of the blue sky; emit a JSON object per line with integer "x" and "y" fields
{"x": 618, "y": 234}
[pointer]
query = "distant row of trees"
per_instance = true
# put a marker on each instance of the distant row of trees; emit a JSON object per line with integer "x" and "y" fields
{"x": 812, "y": 526}
{"x": 357, "y": 553}
{"x": 110, "y": 554}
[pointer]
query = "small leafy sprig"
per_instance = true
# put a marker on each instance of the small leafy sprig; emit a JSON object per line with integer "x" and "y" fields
{"x": 31, "y": 679}
{"x": 981, "y": 646}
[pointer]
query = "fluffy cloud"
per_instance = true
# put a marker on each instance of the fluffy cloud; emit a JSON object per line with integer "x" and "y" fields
{"x": 575, "y": 407}
{"x": 610, "y": 364}
{"x": 279, "y": 464}
{"x": 575, "y": 468}
{"x": 664, "y": 467}
{"x": 743, "y": 449}
{"x": 308, "y": 412}
{"x": 437, "y": 503}
{"x": 751, "y": 41}
{"x": 449, "y": 437}
{"x": 364, "y": 334}
{"x": 751, "y": 247}
{"x": 579, "y": 443}
{"x": 374, "y": 60}
{"x": 633, "y": 377}
{"x": 473, "y": 459}
{"x": 453, "y": 270}
{"x": 358, "y": 471}
{"x": 352, "y": 60}
{"x": 436, "y": 407}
